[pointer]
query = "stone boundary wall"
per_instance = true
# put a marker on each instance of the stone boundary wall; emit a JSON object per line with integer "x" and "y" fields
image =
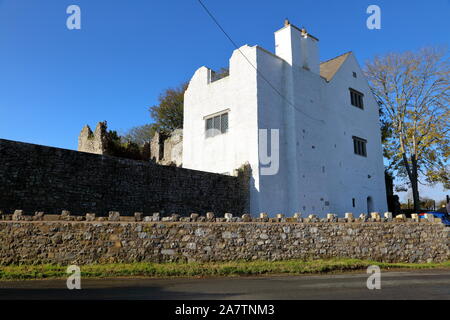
{"x": 39, "y": 178}
{"x": 65, "y": 239}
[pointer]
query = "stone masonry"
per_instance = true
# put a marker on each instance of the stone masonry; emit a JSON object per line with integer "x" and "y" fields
{"x": 94, "y": 142}
{"x": 162, "y": 149}
{"x": 38, "y": 178}
{"x": 167, "y": 150}
{"x": 65, "y": 239}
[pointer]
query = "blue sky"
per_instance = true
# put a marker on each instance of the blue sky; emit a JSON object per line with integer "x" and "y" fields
{"x": 54, "y": 80}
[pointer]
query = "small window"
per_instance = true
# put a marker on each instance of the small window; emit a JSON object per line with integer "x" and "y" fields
{"x": 359, "y": 146}
{"x": 224, "y": 123}
{"x": 354, "y": 202}
{"x": 356, "y": 98}
{"x": 216, "y": 121}
{"x": 216, "y": 125}
{"x": 355, "y": 75}
{"x": 209, "y": 126}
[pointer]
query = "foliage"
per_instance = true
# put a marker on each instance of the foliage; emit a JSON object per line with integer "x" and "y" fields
{"x": 168, "y": 114}
{"x": 413, "y": 91}
{"x": 222, "y": 73}
{"x": 139, "y": 134}
{"x": 207, "y": 269}
{"x": 427, "y": 203}
{"x": 118, "y": 148}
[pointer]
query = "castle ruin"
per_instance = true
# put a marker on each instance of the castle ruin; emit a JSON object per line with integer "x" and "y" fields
{"x": 162, "y": 149}
{"x": 94, "y": 142}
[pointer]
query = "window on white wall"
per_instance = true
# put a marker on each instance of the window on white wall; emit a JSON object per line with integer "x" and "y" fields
{"x": 359, "y": 146}
{"x": 216, "y": 125}
{"x": 357, "y": 98}
{"x": 224, "y": 123}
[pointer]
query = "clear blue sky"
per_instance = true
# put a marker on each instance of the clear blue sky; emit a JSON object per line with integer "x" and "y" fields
{"x": 53, "y": 80}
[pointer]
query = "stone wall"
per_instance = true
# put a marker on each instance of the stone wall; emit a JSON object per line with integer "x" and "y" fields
{"x": 109, "y": 143}
{"x": 162, "y": 149}
{"x": 38, "y": 178}
{"x": 93, "y": 142}
{"x": 173, "y": 148}
{"x": 167, "y": 150}
{"x": 64, "y": 240}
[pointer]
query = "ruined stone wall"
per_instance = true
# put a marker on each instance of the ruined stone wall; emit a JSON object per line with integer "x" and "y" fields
{"x": 125, "y": 241}
{"x": 93, "y": 142}
{"x": 173, "y": 149}
{"x": 38, "y": 178}
{"x": 167, "y": 150}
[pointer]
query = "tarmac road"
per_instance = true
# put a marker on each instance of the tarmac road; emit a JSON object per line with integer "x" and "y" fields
{"x": 417, "y": 284}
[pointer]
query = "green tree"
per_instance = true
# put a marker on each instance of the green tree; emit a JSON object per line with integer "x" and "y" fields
{"x": 124, "y": 149}
{"x": 168, "y": 114}
{"x": 413, "y": 91}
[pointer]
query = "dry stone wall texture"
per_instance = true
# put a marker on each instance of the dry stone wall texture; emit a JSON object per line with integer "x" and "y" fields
{"x": 86, "y": 242}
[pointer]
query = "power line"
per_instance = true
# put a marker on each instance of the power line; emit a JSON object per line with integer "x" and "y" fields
{"x": 248, "y": 60}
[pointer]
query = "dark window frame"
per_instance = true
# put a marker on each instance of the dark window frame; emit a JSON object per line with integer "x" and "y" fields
{"x": 356, "y": 98}
{"x": 360, "y": 146}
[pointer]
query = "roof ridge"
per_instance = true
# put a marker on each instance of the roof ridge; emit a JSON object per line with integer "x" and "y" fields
{"x": 348, "y": 52}
{"x": 329, "y": 68}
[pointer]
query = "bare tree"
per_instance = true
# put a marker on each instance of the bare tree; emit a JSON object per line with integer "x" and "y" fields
{"x": 139, "y": 134}
{"x": 413, "y": 91}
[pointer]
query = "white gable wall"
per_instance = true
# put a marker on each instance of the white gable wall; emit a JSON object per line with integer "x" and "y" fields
{"x": 301, "y": 116}
{"x": 351, "y": 172}
{"x": 312, "y": 152}
{"x": 319, "y": 172}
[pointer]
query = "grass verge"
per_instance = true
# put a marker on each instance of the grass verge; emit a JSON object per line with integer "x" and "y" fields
{"x": 210, "y": 269}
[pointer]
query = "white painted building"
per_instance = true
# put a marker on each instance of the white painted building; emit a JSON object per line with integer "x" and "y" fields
{"x": 330, "y": 153}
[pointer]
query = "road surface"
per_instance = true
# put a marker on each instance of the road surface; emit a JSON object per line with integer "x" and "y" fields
{"x": 422, "y": 284}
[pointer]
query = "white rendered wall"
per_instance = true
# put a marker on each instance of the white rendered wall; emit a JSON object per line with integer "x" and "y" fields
{"x": 318, "y": 171}
{"x": 300, "y": 185}
{"x": 274, "y": 191}
{"x": 352, "y": 171}
{"x": 327, "y": 172}
{"x": 226, "y": 152}
{"x": 297, "y": 50}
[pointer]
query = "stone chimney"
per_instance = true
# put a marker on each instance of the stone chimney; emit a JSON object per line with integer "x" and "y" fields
{"x": 297, "y": 47}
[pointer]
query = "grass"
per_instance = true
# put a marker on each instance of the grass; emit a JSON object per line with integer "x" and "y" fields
{"x": 210, "y": 269}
